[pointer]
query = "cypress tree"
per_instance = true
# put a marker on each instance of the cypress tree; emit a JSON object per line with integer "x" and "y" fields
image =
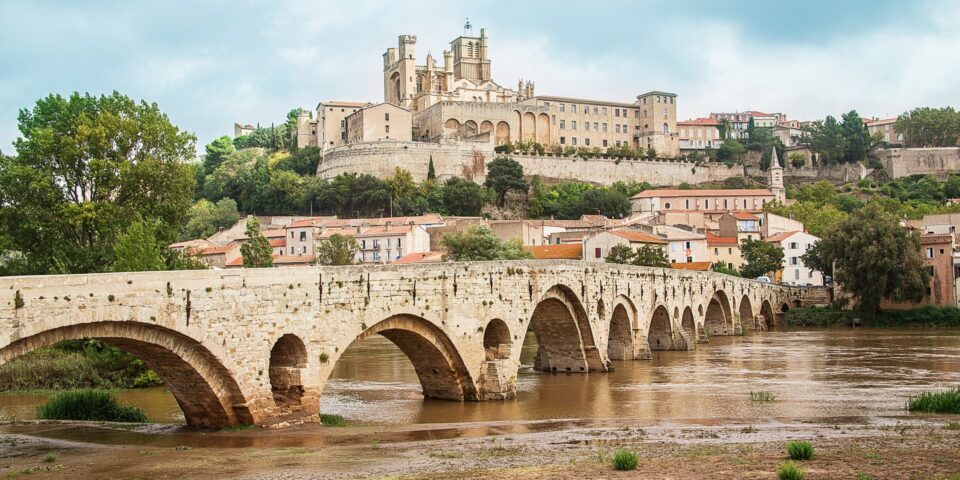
{"x": 256, "y": 251}
{"x": 431, "y": 173}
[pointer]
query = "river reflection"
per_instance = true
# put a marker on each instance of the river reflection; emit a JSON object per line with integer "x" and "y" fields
{"x": 813, "y": 373}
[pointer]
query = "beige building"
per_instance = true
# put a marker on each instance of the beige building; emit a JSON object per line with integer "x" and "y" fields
{"x": 384, "y": 121}
{"x": 707, "y": 201}
{"x": 383, "y": 243}
{"x": 240, "y": 130}
{"x": 740, "y": 225}
{"x": 884, "y": 128}
{"x": 597, "y": 247}
{"x": 684, "y": 246}
{"x": 329, "y": 128}
{"x": 699, "y": 134}
{"x": 724, "y": 251}
{"x": 771, "y": 224}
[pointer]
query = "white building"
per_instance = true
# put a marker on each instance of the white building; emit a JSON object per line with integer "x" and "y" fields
{"x": 794, "y": 245}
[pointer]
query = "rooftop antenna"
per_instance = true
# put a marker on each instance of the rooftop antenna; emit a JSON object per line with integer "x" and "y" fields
{"x": 467, "y": 29}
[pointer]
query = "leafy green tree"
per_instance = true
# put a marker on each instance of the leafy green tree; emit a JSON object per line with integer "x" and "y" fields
{"x": 731, "y": 150}
{"x": 505, "y": 174}
{"x": 951, "y": 189}
{"x": 478, "y": 243}
{"x": 205, "y": 218}
{"x": 256, "y": 251}
{"x": 290, "y": 129}
{"x": 302, "y": 161}
{"x": 796, "y": 160}
{"x": 621, "y": 254}
{"x": 856, "y": 136}
{"x": 407, "y": 197}
{"x": 761, "y": 257}
{"x": 815, "y": 259}
{"x": 605, "y": 201}
{"x": 725, "y": 127}
{"x": 137, "y": 249}
{"x": 217, "y": 150}
{"x": 431, "y": 172}
{"x": 86, "y": 169}
{"x": 929, "y": 127}
{"x": 875, "y": 258}
{"x": 463, "y": 197}
{"x": 651, "y": 256}
{"x": 338, "y": 250}
{"x": 827, "y": 139}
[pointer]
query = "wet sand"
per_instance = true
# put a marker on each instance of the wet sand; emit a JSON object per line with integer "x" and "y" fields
{"x": 907, "y": 447}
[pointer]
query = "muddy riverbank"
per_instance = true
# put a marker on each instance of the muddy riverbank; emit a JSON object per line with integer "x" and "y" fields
{"x": 908, "y": 447}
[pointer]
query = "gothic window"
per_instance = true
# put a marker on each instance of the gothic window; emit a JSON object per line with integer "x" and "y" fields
{"x": 666, "y": 128}
{"x": 470, "y": 49}
{"x": 438, "y": 83}
{"x": 419, "y": 83}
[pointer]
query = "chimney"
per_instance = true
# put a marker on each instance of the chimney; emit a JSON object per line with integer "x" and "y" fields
{"x": 388, "y": 226}
{"x": 358, "y": 229}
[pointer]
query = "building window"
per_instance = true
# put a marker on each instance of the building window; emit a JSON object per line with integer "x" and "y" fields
{"x": 586, "y": 126}
{"x": 563, "y": 140}
{"x": 604, "y": 128}
{"x": 597, "y": 253}
{"x": 573, "y": 141}
{"x": 617, "y": 128}
{"x": 730, "y": 251}
{"x": 596, "y": 127}
{"x": 666, "y": 206}
{"x": 686, "y": 245}
{"x": 562, "y": 107}
{"x": 363, "y": 244}
{"x": 941, "y": 251}
{"x": 929, "y": 253}
{"x": 686, "y": 204}
{"x": 636, "y": 114}
{"x": 562, "y": 125}
{"x": 604, "y": 110}
{"x": 586, "y": 141}
{"x": 716, "y": 251}
{"x": 793, "y": 245}
{"x": 604, "y": 142}
{"x": 386, "y": 116}
{"x": 793, "y": 261}
{"x": 304, "y": 249}
{"x": 291, "y": 250}
{"x": 386, "y": 128}
{"x": 616, "y": 112}
{"x": 573, "y": 108}
{"x": 554, "y": 119}
{"x": 398, "y": 243}
{"x": 303, "y": 236}
{"x": 573, "y": 125}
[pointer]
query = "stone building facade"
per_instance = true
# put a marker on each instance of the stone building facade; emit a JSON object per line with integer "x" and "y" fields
{"x": 384, "y": 121}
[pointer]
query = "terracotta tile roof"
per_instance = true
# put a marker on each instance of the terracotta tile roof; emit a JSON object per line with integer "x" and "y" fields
{"x": 292, "y": 259}
{"x": 715, "y": 240}
{"x": 695, "y": 266}
{"x": 420, "y": 257}
{"x": 308, "y": 222}
{"x": 236, "y": 262}
{"x": 779, "y": 237}
{"x": 274, "y": 233}
{"x": 278, "y": 242}
{"x": 884, "y": 121}
{"x": 744, "y": 216}
{"x": 571, "y": 251}
{"x": 745, "y": 192}
{"x": 699, "y": 122}
{"x": 218, "y": 249}
{"x": 929, "y": 239}
{"x": 639, "y": 237}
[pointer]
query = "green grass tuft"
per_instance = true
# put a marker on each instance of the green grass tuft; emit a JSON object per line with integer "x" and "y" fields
{"x": 952, "y": 426}
{"x": 50, "y": 458}
{"x": 624, "y": 459}
{"x": 946, "y": 401}
{"x": 863, "y": 476}
{"x": 790, "y": 471}
{"x": 331, "y": 420}
{"x": 800, "y": 450}
{"x": 762, "y": 397}
{"x": 93, "y": 405}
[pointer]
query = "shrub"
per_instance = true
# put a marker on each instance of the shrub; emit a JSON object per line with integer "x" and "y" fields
{"x": 946, "y": 401}
{"x": 50, "y": 457}
{"x": 331, "y": 420}
{"x": 790, "y": 471}
{"x": 762, "y": 397}
{"x": 800, "y": 450}
{"x": 96, "y": 405}
{"x": 624, "y": 459}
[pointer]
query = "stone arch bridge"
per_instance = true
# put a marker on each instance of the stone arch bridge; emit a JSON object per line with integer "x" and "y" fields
{"x": 257, "y": 345}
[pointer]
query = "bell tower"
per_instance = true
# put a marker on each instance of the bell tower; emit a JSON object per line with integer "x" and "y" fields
{"x": 776, "y": 178}
{"x": 470, "y": 57}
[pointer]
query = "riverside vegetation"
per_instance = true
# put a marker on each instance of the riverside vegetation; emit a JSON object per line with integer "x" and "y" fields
{"x": 89, "y": 405}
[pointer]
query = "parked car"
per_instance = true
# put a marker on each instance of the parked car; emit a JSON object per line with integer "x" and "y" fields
{"x": 763, "y": 279}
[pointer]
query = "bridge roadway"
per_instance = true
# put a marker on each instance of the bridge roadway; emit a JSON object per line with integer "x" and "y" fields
{"x": 257, "y": 345}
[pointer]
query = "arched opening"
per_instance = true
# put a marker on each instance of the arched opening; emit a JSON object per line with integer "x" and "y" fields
{"x": 766, "y": 311}
{"x": 620, "y": 339}
{"x": 718, "y": 320}
{"x": 528, "y": 129}
{"x": 601, "y": 310}
{"x": 451, "y": 126}
{"x": 795, "y": 304}
{"x": 543, "y": 129}
{"x": 438, "y": 366}
{"x": 564, "y": 336}
{"x": 202, "y": 385}
{"x": 688, "y": 324}
{"x": 486, "y": 126}
{"x": 288, "y": 358}
{"x": 747, "y": 322}
{"x": 395, "y": 82}
{"x": 660, "y": 336}
{"x": 781, "y": 317}
{"x": 470, "y": 127}
{"x": 503, "y": 133}
{"x": 496, "y": 340}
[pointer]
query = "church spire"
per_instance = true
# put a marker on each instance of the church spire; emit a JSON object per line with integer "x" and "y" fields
{"x": 775, "y": 173}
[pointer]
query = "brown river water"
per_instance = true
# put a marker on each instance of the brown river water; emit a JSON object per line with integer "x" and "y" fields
{"x": 816, "y": 375}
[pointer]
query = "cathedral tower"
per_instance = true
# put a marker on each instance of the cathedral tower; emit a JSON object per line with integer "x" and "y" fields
{"x": 470, "y": 60}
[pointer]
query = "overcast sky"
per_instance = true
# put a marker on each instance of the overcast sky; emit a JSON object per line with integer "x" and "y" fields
{"x": 210, "y": 63}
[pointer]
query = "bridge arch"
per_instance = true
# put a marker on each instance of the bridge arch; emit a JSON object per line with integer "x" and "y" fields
{"x": 747, "y": 321}
{"x": 436, "y": 360}
{"x": 688, "y": 324}
{"x": 717, "y": 319}
{"x": 203, "y": 386}
{"x": 767, "y": 311}
{"x": 496, "y": 340}
{"x": 288, "y": 359}
{"x": 660, "y": 330}
{"x": 620, "y": 343}
{"x": 565, "y": 338}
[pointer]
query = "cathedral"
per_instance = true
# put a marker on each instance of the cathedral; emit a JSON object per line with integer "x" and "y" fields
{"x": 457, "y": 100}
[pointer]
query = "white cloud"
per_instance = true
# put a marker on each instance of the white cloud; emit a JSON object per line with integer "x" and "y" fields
{"x": 159, "y": 75}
